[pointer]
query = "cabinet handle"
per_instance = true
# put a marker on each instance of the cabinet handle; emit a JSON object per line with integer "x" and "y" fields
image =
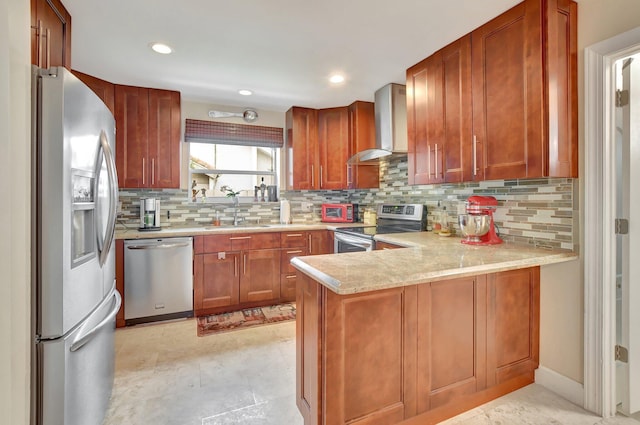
{"x": 475, "y": 155}
{"x": 235, "y": 265}
{"x": 349, "y": 176}
{"x": 39, "y": 44}
{"x": 153, "y": 171}
{"x": 294, "y": 235}
{"x": 291, "y": 276}
{"x": 235, "y": 238}
{"x": 310, "y": 244}
{"x": 321, "y": 177}
{"x": 436, "y": 160}
{"x": 429, "y": 161}
{"x": 312, "y": 179}
{"x": 143, "y": 171}
{"x": 48, "y": 48}
{"x": 244, "y": 264}
{"x": 294, "y": 252}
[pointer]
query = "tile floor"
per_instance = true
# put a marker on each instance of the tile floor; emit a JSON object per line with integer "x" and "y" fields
{"x": 166, "y": 375}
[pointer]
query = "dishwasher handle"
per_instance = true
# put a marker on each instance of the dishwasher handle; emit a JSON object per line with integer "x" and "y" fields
{"x": 160, "y": 246}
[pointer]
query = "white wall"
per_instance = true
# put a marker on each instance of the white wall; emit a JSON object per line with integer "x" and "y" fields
{"x": 14, "y": 213}
{"x": 562, "y": 299}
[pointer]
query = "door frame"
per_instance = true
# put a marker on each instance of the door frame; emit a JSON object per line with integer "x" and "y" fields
{"x": 599, "y": 214}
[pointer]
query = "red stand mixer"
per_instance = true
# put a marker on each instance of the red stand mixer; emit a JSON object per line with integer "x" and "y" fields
{"x": 477, "y": 225}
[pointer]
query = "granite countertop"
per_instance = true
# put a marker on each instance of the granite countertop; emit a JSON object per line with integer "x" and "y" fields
{"x": 428, "y": 257}
{"x": 178, "y": 231}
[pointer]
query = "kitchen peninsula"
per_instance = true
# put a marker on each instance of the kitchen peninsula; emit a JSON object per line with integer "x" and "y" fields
{"x": 416, "y": 334}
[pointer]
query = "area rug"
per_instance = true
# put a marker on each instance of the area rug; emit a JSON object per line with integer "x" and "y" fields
{"x": 224, "y": 322}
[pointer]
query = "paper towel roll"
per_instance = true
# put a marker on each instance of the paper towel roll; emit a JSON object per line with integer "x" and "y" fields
{"x": 285, "y": 212}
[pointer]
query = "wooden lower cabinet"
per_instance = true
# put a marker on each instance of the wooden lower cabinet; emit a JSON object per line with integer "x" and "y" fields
{"x": 216, "y": 280}
{"x": 451, "y": 340}
{"x": 260, "y": 275}
{"x": 320, "y": 242}
{"x": 417, "y": 354}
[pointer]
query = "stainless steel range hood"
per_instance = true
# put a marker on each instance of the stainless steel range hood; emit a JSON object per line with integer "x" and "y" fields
{"x": 391, "y": 124}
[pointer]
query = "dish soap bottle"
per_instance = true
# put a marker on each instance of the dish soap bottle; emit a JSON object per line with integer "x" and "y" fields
{"x": 444, "y": 223}
{"x": 437, "y": 226}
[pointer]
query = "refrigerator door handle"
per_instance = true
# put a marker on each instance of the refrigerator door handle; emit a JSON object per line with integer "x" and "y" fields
{"x": 83, "y": 338}
{"x": 105, "y": 241}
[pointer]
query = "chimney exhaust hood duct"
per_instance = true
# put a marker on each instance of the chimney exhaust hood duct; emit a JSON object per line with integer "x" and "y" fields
{"x": 391, "y": 124}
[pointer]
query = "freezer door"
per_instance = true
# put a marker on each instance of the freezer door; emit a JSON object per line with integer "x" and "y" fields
{"x": 76, "y": 372}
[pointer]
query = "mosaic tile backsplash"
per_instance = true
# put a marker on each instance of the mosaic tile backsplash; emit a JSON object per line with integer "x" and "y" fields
{"x": 541, "y": 212}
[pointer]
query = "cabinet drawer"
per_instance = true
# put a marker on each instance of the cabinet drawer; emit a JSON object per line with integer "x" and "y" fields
{"x": 214, "y": 243}
{"x": 265, "y": 240}
{"x": 287, "y": 255}
{"x": 293, "y": 239}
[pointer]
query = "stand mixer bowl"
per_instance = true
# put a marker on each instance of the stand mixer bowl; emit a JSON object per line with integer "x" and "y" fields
{"x": 474, "y": 225}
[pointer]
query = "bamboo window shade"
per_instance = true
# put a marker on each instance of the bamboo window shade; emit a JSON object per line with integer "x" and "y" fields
{"x": 232, "y": 134}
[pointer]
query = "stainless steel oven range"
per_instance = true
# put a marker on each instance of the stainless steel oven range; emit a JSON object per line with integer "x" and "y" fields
{"x": 392, "y": 218}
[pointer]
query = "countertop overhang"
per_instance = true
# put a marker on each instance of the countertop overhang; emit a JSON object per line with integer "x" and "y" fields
{"x": 426, "y": 258}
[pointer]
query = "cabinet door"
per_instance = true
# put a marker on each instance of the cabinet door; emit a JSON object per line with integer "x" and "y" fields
{"x": 333, "y": 143}
{"x": 216, "y": 280}
{"x": 508, "y": 94}
{"x": 50, "y": 34}
{"x": 513, "y": 324}
{"x": 370, "y": 380}
{"x": 451, "y": 324}
{"x": 103, "y": 89}
{"x": 301, "y": 149}
{"x": 320, "y": 242}
{"x": 132, "y": 117}
{"x": 260, "y": 275}
{"x": 164, "y": 139}
{"x": 457, "y": 137}
{"x": 425, "y": 121}
{"x": 362, "y": 135}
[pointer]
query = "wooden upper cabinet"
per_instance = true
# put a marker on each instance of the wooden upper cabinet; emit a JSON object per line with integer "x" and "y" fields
{"x": 362, "y": 135}
{"x": 50, "y": 34}
{"x": 320, "y": 141}
{"x": 456, "y": 157}
{"x": 524, "y": 92}
{"x": 499, "y": 103}
{"x": 147, "y": 137}
{"x": 104, "y": 89}
{"x": 301, "y": 145}
{"x": 164, "y": 138}
{"x": 425, "y": 122}
{"x": 333, "y": 144}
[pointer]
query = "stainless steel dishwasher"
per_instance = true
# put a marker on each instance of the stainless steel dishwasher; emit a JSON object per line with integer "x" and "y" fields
{"x": 158, "y": 279}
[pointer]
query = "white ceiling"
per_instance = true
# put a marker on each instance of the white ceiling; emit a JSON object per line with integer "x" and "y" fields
{"x": 283, "y": 50}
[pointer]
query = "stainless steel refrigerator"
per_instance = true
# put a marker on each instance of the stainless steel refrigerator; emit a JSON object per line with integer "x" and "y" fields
{"x": 75, "y": 196}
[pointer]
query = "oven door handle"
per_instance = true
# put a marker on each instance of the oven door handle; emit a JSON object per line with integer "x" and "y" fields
{"x": 354, "y": 241}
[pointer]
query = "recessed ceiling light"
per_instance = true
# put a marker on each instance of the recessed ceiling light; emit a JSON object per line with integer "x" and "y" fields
{"x": 245, "y": 92}
{"x": 161, "y": 48}
{"x": 336, "y": 78}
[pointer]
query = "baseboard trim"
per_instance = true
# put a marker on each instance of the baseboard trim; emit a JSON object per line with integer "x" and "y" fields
{"x": 565, "y": 387}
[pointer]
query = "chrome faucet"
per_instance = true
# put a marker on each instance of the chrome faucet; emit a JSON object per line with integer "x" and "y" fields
{"x": 236, "y": 220}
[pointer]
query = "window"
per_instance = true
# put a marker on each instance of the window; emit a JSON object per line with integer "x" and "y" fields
{"x": 235, "y": 156}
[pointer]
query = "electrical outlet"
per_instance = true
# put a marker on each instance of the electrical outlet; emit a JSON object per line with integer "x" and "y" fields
{"x": 306, "y": 206}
